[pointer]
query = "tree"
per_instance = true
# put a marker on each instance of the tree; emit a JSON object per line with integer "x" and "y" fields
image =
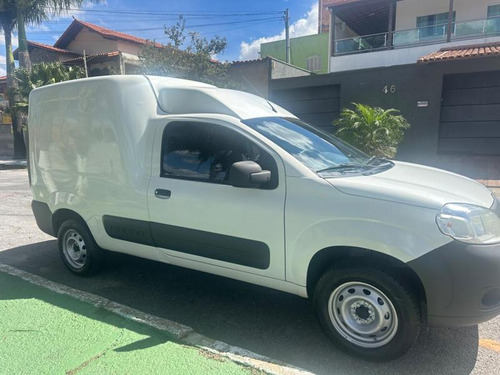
{"x": 374, "y": 130}
{"x": 193, "y": 62}
{"x": 41, "y": 75}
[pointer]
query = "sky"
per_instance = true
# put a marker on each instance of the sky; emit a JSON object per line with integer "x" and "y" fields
{"x": 244, "y": 23}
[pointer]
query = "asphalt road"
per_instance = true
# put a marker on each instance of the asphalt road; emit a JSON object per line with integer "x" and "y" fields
{"x": 268, "y": 322}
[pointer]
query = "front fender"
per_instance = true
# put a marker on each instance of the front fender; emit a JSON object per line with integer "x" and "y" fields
{"x": 329, "y": 218}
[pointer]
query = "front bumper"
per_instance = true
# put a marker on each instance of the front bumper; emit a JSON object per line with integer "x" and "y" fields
{"x": 461, "y": 282}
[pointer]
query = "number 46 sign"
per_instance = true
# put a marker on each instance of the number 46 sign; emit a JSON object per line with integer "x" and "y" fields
{"x": 389, "y": 89}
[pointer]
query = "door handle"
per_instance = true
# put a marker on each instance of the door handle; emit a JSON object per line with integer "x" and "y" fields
{"x": 162, "y": 193}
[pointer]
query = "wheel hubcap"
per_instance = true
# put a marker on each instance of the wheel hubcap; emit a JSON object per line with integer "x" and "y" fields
{"x": 74, "y": 249}
{"x": 363, "y": 314}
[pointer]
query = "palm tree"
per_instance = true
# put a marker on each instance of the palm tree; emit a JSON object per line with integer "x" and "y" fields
{"x": 374, "y": 130}
{"x": 7, "y": 23}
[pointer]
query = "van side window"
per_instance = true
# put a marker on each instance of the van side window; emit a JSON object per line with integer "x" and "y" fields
{"x": 205, "y": 152}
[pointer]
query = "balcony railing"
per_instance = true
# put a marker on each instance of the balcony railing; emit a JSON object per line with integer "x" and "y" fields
{"x": 422, "y": 35}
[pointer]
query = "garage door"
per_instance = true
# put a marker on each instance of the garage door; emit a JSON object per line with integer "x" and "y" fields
{"x": 318, "y": 105}
{"x": 470, "y": 114}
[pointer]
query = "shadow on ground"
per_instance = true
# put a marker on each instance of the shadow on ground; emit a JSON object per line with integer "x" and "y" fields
{"x": 268, "y": 322}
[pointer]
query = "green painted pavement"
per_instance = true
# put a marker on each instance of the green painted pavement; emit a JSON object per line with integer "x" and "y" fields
{"x": 42, "y": 332}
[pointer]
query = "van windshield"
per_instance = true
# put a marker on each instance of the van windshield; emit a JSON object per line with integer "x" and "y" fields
{"x": 319, "y": 151}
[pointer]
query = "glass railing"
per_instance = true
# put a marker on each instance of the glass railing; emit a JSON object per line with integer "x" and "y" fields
{"x": 361, "y": 43}
{"x": 428, "y": 34}
{"x": 479, "y": 28}
{"x": 422, "y": 35}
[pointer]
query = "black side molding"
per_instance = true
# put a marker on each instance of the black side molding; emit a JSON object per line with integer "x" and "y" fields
{"x": 43, "y": 217}
{"x": 229, "y": 249}
{"x": 130, "y": 230}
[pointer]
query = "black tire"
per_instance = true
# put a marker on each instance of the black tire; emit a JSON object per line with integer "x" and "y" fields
{"x": 78, "y": 249}
{"x": 345, "y": 309}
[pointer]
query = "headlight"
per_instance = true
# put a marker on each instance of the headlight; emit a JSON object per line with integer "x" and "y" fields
{"x": 469, "y": 223}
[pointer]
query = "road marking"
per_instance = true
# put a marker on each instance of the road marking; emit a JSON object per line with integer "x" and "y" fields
{"x": 490, "y": 345}
{"x": 182, "y": 333}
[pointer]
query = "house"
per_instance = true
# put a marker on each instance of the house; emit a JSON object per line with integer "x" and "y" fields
{"x": 437, "y": 61}
{"x": 374, "y": 33}
{"x": 106, "y": 51}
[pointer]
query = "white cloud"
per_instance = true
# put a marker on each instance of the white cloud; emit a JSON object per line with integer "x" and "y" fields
{"x": 2, "y": 65}
{"x": 69, "y": 14}
{"x": 305, "y": 26}
{"x": 35, "y": 28}
{"x": 14, "y": 40}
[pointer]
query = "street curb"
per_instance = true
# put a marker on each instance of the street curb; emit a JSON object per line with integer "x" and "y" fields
{"x": 180, "y": 332}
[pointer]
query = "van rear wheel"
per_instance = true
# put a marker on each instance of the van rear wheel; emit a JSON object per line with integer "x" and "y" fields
{"x": 366, "y": 312}
{"x": 78, "y": 249}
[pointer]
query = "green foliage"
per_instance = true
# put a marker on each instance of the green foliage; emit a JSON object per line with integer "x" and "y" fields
{"x": 194, "y": 62}
{"x": 41, "y": 75}
{"x": 373, "y": 130}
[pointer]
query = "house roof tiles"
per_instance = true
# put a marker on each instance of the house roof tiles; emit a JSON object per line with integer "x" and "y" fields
{"x": 49, "y": 48}
{"x": 462, "y": 52}
{"x": 76, "y": 26}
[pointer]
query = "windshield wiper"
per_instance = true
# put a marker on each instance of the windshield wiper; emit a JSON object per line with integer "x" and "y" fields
{"x": 341, "y": 167}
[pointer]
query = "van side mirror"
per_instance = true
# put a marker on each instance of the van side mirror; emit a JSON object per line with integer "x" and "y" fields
{"x": 248, "y": 174}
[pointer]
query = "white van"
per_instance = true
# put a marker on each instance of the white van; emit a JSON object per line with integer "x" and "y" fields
{"x": 228, "y": 183}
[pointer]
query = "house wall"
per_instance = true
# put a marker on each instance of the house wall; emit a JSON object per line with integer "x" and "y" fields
{"x": 401, "y": 87}
{"x": 92, "y": 43}
{"x": 300, "y": 50}
{"x": 252, "y": 76}
{"x": 127, "y": 47}
{"x": 466, "y": 10}
{"x": 280, "y": 69}
{"x": 38, "y": 55}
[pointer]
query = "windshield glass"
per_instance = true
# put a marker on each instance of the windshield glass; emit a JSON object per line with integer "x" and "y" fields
{"x": 319, "y": 151}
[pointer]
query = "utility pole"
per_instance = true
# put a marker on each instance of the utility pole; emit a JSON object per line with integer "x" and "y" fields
{"x": 85, "y": 64}
{"x": 287, "y": 36}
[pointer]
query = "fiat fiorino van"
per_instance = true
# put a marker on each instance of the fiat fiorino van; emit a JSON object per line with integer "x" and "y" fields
{"x": 228, "y": 183}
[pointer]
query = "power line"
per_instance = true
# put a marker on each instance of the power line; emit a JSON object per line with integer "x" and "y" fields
{"x": 177, "y": 13}
{"x": 258, "y": 20}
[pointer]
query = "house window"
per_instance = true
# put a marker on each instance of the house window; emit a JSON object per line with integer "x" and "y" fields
{"x": 494, "y": 11}
{"x": 434, "y": 26}
{"x": 314, "y": 63}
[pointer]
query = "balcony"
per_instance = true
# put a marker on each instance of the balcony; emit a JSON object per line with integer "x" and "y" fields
{"x": 437, "y": 34}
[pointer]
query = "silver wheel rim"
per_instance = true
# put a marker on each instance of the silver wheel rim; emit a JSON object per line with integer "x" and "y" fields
{"x": 363, "y": 315}
{"x": 74, "y": 249}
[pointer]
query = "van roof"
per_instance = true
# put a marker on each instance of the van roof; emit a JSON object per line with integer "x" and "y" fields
{"x": 181, "y": 96}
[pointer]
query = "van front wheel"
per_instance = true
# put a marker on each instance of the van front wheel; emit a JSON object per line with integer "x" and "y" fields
{"x": 366, "y": 312}
{"x": 78, "y": 249}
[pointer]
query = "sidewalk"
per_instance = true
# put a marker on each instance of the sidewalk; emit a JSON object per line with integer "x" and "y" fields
{"x": 7, "y": 162}
{"x": 42, "y": 332}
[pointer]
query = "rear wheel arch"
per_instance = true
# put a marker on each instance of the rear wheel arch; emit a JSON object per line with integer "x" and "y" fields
{"x": 63, "y": 214}
{"x": 324, "y": 259}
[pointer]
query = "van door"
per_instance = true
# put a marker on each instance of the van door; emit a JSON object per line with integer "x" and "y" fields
{"x": 198, "y": 219}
